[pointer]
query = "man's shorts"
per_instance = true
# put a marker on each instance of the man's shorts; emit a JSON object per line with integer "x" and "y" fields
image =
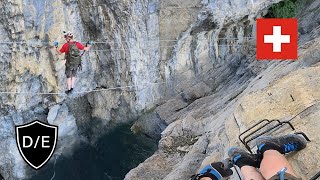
{"x": 287, "y": 176}
{"x": 71, "y": 72}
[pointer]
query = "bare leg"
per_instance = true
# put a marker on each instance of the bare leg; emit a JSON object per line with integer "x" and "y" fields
{"x": 273, "y": 162}
{"x": 205, "y": 178}
{"x": 73, "y": 79}
{"x": 250, "y": 173}
{"x": 246, "y": 162}
{"x": 69, "y": 83}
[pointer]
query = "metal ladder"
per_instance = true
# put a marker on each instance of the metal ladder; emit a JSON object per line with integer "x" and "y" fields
{"x": 267, "y": 126}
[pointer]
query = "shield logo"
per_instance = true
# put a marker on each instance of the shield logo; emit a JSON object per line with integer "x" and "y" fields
{"x": 36, "y": 142}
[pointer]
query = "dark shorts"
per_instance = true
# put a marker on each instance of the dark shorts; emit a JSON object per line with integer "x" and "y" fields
{"x": 71, "y": 72}
{"x": 287, "y": 176}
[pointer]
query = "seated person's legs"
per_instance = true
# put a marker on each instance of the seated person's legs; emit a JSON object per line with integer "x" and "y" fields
{"x": 249, "y": 173}
{"x": 246, "y": 162}
{"x": 270, "y": 159}
{"x": 273, "y": 162}
{"x": 273, "y": 150}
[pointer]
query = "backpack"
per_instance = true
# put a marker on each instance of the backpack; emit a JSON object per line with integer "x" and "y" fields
{"x": 73, "y": 57}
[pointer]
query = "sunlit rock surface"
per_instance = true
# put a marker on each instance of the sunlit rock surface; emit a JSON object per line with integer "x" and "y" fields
{"x": 192, "y": 61}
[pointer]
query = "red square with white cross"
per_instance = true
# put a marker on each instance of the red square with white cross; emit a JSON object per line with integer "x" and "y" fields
{"x": 277, "y": 39}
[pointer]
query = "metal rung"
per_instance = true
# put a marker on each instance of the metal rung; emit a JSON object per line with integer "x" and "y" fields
{"x": 315, "y": 177}
{"x": 260, "y": 129}
{"x": 262, "y": 124}
{"x": 259, "y": 126}
{"x": 264, "y": 120}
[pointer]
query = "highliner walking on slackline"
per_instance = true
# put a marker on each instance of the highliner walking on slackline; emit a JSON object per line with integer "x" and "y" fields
{"x": 72, "y": 56}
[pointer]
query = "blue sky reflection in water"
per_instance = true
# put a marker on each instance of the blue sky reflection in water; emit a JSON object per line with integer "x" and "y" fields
{"x": 114, "y": 155}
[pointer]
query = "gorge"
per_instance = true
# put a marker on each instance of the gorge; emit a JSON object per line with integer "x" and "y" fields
{"x": 184, "y": 72}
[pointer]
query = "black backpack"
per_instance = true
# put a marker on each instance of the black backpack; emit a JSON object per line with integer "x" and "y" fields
{"x": 73, "y": 57}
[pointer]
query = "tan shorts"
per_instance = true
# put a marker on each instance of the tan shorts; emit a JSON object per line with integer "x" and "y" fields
{"x": 287, "y": 176}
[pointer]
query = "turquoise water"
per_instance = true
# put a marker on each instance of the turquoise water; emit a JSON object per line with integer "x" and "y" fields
{"x": 114, "y": 155}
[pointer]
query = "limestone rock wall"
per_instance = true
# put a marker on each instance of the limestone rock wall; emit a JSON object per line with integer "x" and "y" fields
{"x": 129, "y": 35}
{"x": 126, "y": 53}
{"x": 198, "y": 52}
{"x": 244, "y": 92}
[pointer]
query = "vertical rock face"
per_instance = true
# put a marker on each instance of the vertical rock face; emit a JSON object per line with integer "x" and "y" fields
{"x": 129, "y": 35}
{"x": 244, "y": 92}
{"x": 126, "y": 53}
{"x": 199, "y": 53}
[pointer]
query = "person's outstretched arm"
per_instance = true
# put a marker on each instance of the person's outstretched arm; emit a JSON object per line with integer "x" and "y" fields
{"x": 56, "y": 47}
{"x": 89, "y": 44}
{"x": 58, "y": 52}
{"x": 87, "y": 48}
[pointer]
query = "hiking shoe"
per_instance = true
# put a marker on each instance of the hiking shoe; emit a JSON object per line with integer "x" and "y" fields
{"x": 215, "y": 171}
{"x": 241, "y": 157}
{"x": 283, "y": 144}
{"x": 68, "y": 91}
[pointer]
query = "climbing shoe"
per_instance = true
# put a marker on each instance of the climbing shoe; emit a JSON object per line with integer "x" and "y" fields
{"x": 241, "y": 157}
{"x": 283, "y": 144}
{"x": 68, "y": 91}
{"x": 215, "y": 171}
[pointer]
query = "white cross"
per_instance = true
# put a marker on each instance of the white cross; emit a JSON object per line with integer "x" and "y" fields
{"x": 277, "y": 39}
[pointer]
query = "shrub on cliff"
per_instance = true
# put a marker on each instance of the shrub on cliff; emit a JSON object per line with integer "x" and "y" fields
{"x": 286, "y": 9}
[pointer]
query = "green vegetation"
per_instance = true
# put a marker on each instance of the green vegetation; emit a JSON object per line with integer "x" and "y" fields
{"x": 286, "y": 9}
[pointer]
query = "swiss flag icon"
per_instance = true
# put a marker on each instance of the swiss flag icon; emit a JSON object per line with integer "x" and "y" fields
{"x": 277, "y": 39}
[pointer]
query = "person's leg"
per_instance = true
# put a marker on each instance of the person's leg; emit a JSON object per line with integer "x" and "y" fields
{"x": 249, "y": 173}
{"x": 246, "y": 162}
{"x": 69, "y": 75}
{"x": 73, "y": 79}
{"x": 205, "y": 178}
{"x": 273, "y": 162}
{"x": 273, "y": 149}
{"x": 69, "y": 83}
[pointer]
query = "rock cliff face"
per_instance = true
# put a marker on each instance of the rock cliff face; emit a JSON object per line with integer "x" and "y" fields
{"x": 244, "y": 91}
{"x": 126, "y": 53}
{"x": 193, "y": 58}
